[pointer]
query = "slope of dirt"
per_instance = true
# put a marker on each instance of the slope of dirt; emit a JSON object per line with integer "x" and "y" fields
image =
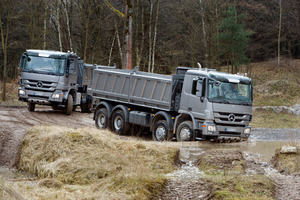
{"x": 14, "y": 121}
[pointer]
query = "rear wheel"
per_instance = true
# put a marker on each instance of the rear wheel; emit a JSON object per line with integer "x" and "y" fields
{"x": 118, "y": 124}
{"x": 31, "y": 106}
{"x": 101, "y": 118}
{"x": 69, "y": 106}
{"x": 161, "y": 131}
{"x": 185, "y": 131}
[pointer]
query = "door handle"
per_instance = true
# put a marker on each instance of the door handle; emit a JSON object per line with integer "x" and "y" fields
{"x": 189, "y": 109}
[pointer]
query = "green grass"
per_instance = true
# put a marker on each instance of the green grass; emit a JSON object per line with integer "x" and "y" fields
{"x": 243, "y": 187}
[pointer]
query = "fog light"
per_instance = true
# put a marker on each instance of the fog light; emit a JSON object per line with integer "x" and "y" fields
{"x": 211, "y": 128}
{"x": 247, "y": 130}
{"x": 55, "y": 96}
{"x": 21, "y": 92}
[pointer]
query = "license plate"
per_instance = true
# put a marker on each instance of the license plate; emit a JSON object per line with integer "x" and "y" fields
{"x": 38, "y": 93}
{"x": 230, "y": 129}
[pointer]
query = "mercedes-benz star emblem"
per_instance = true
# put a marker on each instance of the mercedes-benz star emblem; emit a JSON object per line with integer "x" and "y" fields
{"x": 39, "y": 84}
{"x": 231, "y": 118}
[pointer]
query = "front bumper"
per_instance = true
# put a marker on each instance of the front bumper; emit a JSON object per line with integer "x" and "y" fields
{"x": 40, "y": 97}
{"x": 227, "y": 132}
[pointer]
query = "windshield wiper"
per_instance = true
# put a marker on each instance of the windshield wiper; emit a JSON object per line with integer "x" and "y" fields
{"x": 221, "y": 101}
{"x": 244, "y": 103}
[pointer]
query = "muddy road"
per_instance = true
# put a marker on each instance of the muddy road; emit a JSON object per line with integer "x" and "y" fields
{"x": 186, "y": 183}
{"x": 14, "y": 122}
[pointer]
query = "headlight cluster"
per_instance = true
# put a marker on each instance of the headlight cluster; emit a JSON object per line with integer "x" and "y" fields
{"x": 55, "y": 96}
{"x": 211, "y": 128}
{"x": 21, "y": 92}
{"x": 247, "y": 131}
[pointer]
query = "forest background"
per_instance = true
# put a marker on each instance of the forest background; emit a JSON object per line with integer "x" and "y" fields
{"x": 165, "y": 34}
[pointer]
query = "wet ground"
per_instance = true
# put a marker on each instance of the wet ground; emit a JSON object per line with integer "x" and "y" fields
{"x": 186, "y": 182}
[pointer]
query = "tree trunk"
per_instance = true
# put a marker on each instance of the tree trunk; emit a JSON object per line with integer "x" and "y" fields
{"x": 4, "y": 40}
{"x": 68, "y": 24}
{"x": 58, "y": 24}
{"x": 279, "y": 33}
{"x": 204, "y": 33}
{"x": 150, "y": 40}
{"x": 154, "y": 39}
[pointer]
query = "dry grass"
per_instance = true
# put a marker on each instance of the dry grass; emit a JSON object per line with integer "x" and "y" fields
{"x": 270, "y": 119}
{"x": 276, "y": 86}
{"x": 11, "y": 94}
{"x": 8, "y": 193}
{"x": 92, "y": 164}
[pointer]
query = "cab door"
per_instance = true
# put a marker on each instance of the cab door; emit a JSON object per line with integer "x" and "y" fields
{"x": 196, "y": 97}
{"x": 72, "y": 72}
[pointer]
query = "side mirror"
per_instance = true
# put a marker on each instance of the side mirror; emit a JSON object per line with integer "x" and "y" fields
{"x": 200, "y": 89}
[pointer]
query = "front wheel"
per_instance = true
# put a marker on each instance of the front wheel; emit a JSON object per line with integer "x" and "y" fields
{"x": 69, "y": 106}
{"x": 185, "y": 132}
{"x": 31, "y": 106}
{"x": 118, "y": 123}
{"x": 161, "y": 131}
{"x": 101, "y": 118}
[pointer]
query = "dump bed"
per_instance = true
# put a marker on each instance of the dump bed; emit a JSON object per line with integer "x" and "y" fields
{"x": 132, "y": 87}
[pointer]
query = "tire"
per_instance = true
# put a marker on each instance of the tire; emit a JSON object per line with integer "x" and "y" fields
{"x": 101, "y": 119}
{"x": 69, "y": 106}
{"x": 118, "y": 124}
{"x": 161, "y": 131}
{"x": 31, "y": 106}
{"x": 83, "y": 107}
{"x": 185, "y": 131}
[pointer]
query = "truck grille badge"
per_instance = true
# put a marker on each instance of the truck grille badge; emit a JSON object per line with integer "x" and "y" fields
{"x": 231, "y": 118}
{"x": 39, "y": 84}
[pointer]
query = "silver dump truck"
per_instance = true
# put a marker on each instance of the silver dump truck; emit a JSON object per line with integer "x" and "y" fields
{"x": 56, "y": 79}
{"x": 191, "y": 104}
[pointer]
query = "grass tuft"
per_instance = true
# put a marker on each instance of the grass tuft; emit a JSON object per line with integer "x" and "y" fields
{"x": 129, "y": 169}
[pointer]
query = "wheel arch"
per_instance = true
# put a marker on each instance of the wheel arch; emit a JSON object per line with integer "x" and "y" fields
{"x": 183, "y": 117}
{"x": 124, "y": 109}
{"x": 106, "y": 105}
{"x": 161, "y": 115}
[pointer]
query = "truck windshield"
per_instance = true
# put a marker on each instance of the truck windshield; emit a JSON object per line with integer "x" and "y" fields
{"x": 45, "y": 65}
{"x": 229, "y": 93}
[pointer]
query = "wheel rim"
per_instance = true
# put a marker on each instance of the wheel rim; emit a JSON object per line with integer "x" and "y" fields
{"x": 160, "y": 133}
{"x": 118, "y": 123}
{"x": 101, "y": 121}
{"x": 185, "y": 133}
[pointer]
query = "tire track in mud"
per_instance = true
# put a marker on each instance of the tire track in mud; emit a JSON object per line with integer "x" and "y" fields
{"x": 15, "y": 121}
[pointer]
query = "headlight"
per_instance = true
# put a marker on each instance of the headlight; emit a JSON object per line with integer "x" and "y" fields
{"x": 211, "y": 128}
{"x": 21, "y": 92}
{"x": 247, "y": 130}
{"x": 55, "y": 96}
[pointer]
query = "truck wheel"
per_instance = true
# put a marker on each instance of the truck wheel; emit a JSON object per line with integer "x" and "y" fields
{"x": 83, "y": 107}
{"x": 185, "y": 131}
{"x": 161, "y": 131}
{"x": 31, "y": 106}
{"x": 118, "y": 124}
{"x": 69, "y": 106}
{"x": 101, "y": 118}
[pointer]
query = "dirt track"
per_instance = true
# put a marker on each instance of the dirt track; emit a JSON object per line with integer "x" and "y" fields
{"x": 14, "y": 121}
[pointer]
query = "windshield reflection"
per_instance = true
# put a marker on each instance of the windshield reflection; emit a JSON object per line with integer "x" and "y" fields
{"x": 45, "y": 65}
{"x": 229, "y": 93}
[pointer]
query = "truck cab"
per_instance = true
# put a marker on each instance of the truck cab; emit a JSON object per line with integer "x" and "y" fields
{"x": 53, "y": 78}
{"x": 219, "y": 105}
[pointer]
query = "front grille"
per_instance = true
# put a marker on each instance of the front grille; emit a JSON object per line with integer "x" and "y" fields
{"x": 40, "y": 85}
{"x": 235, "y": 119}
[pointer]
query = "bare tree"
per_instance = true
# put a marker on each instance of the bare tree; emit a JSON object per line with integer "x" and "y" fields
{"x": 279, "y": 32}
{"x": 4, "y": 30}
{"x": 155, "y": 35}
